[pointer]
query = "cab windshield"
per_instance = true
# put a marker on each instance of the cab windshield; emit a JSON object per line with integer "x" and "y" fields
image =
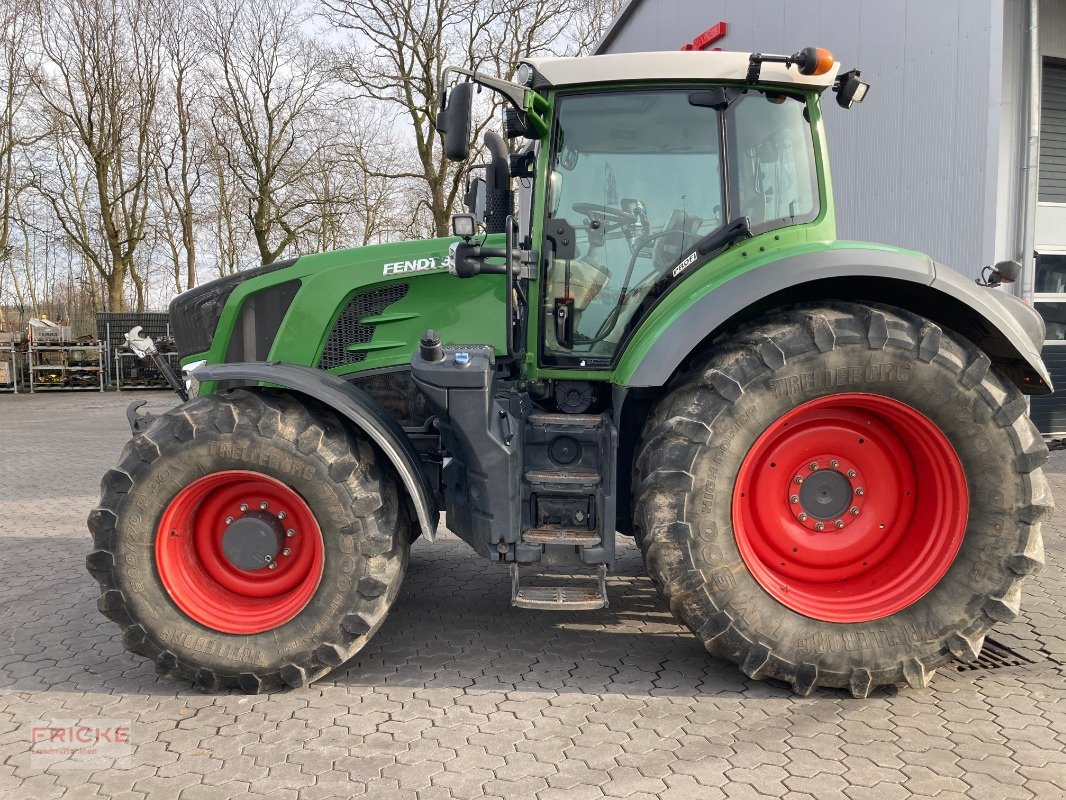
{"x": 641, "y": 178}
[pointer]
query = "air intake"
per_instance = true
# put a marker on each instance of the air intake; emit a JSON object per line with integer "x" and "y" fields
{"x": 349, "y": 328}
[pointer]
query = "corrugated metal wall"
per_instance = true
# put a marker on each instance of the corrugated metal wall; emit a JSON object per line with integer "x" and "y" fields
{"x": 1053, "y": 133}
{"x": 916, "y": 165}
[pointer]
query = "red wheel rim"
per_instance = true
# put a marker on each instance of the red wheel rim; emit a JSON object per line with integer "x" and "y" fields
{"x": 880, "y": 521}
{"x": 200, "y": 576}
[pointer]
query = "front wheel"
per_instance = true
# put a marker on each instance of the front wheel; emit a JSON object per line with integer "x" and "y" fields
{"x": 250, "y": 540}
{"x": 842, "y": 496}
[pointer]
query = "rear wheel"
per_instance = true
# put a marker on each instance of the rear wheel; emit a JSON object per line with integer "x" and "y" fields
{"x": 247, "y": 539}
{"x": 842, "y": 496}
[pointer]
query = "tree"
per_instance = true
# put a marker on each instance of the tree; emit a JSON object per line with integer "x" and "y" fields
{"x": 266, "y": 88}
{"x": 397, "y": 52}
{"x": 181, "y": 148}
{"x": 14, "y": 137}
{"x": 99, "y": 86}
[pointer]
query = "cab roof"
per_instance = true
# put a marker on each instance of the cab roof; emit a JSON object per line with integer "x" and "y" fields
{"x": 670, "y": 66}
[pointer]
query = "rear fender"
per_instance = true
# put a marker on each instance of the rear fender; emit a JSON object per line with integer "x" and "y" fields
{"x": 1010, "y": 332}
{"x": 354, "y": 405}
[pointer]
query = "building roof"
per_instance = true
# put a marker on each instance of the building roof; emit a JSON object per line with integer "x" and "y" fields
{"x": 670, "y": 65}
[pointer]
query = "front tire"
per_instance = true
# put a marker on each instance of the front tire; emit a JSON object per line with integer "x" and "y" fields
{"x": 248, "y": 540}
{"x": 842, "y": 496}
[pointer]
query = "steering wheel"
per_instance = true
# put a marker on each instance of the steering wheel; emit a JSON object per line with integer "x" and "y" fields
{"x": 610, "y": 215}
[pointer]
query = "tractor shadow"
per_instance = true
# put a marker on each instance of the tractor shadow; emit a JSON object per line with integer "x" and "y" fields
{"x": 453, "y": 627}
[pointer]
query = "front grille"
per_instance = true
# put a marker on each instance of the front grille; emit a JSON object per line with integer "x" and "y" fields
{"x": 349, "y": 328}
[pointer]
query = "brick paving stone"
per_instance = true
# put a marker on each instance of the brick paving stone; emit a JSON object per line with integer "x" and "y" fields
{"x": 459, "y": 696}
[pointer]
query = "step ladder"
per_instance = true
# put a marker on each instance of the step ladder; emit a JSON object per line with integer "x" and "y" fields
{"x": 568, "y": 498}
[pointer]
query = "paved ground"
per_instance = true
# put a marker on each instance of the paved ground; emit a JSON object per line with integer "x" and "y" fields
{"x": 460, "y": 696}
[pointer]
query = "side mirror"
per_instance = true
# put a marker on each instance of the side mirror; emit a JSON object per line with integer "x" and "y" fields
{"x": 453, "y": 120}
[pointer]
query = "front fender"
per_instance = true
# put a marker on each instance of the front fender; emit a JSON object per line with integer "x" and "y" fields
{"x": 355, "y": 405}
{"x": 1010, "y": 332}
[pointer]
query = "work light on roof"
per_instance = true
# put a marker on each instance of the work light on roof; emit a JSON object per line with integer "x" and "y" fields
{"x": 850, "y": 90}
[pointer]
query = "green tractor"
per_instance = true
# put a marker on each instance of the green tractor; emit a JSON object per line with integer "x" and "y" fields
{"x": 645, "y": 325}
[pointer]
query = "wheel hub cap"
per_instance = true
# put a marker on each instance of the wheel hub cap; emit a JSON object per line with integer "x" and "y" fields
{"x": 253, "y": 541}
{"x": 825, "y": 495}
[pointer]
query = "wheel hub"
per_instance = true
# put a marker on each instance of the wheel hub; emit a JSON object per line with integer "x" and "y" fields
{"x": 826, "y": 493}
{"x": 253, "y": 541}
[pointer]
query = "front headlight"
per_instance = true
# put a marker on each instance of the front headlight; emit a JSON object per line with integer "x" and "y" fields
{"x": 192, "y": 385}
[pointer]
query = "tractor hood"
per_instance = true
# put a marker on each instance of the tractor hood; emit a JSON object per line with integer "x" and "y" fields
{"x": 344, "y": 311}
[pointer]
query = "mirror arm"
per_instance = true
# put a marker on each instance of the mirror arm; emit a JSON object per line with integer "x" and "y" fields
{"x": 514, "y": 93}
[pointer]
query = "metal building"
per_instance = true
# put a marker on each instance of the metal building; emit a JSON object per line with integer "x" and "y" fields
{"x": 959, "y": 150}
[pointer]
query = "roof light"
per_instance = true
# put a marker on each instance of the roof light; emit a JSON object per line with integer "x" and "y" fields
{"x": 809, "y": 61}
{"x": 813, "y": 61}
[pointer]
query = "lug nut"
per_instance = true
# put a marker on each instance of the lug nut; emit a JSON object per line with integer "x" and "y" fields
{"x": 244, "y": 506}
{"x": 290, "y": 533}
{"x": 859, "y": 491}
{"x": 229, "y": 520}
{"x": 272, "y": 565}
{"x": 840, "y": 523}
{"x": 268, "y": 558}
{"x": 834, "y": 463}
{"x": 281, "y": 515}
{"x": 819, "y": 526}
{"x": 286, "y": 552}
{"x": 814, "y": 466}
{"x": 798, "y": 479}
{"x": 263, "y": 506}
{"x": 854, "y": 511}
{"x": 802, "y": 517}
{"x": 794, "y": 499}
{"x": 851, "y": 473}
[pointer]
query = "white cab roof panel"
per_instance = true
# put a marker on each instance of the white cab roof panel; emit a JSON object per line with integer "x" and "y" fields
{"x": 669, "y": 66}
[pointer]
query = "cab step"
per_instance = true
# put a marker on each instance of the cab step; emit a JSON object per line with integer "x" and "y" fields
{"x": 583, "y": 593}
{"x": 564, "y": 480}
{"x": 550, "y": 534}
{"x": 545, "y": 419}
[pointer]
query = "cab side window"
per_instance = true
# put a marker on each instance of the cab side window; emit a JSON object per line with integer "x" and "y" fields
{"x": 775, "y": 180}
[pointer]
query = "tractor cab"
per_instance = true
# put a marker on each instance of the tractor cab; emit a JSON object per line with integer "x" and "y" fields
{"x": 637, "y": 172}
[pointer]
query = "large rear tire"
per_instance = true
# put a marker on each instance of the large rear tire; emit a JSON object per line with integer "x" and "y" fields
{"x": 248, "y": 540}
{"x": 841, "y": 496}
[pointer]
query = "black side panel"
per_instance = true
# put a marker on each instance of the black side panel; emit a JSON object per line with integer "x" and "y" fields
{"x": 194, "y": 314}
{"x": 349, "y": 327}
{"x": 259, "y": 321}
{"x": 481, "y": 429}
